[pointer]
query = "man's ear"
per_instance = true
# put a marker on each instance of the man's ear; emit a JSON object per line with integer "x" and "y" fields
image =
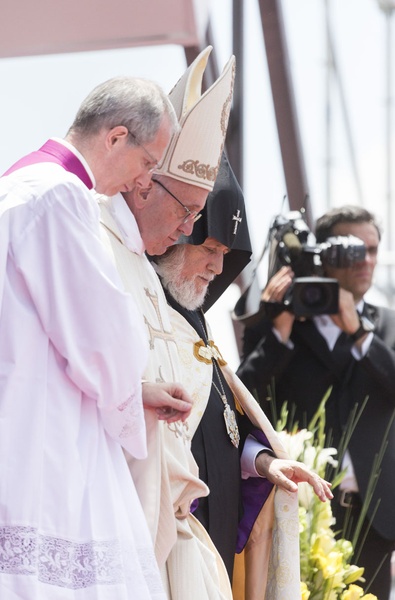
{"x": 141, "y": 196}
{"x": 115, "y": 135}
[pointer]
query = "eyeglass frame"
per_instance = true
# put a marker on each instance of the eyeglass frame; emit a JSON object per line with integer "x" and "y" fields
{"x": 191, "y": 215}
{"x": 152, "y": 158}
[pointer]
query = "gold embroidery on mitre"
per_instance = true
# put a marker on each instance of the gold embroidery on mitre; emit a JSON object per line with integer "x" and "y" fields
{"x": 225, "y": 113}
{"x": 207, "y": 353}
{"x": 195, "y": 168}
{"x": 205, "y": 171}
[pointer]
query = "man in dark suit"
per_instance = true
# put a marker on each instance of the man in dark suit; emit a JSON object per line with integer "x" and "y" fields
{"x": 353, "y": 351}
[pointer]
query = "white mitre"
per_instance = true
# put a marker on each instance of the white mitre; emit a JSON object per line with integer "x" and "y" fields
{"x": 194, "y": 153}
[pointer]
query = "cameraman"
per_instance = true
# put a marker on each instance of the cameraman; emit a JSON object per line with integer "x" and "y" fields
{"x": 296, "y": 361}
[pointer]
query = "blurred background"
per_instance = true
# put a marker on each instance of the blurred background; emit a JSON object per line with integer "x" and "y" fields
{"x": 313, "y": 108}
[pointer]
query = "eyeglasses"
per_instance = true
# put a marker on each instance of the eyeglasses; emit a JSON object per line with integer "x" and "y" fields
{"x": 190, "y": 215}
{"x": 153, "y": 163}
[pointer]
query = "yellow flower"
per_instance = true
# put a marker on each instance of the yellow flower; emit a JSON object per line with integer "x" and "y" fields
{"x": 345, "y": 547}
{"x": 305, "y": 594}
{"x": 322, "y": 544}
{"x": 324, "y": 560}
{"x": 332, "y": 568}
{"x": 353, "y": 573}
{"x": 325, "y": 518}
{"x": 353, "y": 593}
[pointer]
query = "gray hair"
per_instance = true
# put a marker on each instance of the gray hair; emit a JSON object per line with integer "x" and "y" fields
{"x": 138, "y": 104}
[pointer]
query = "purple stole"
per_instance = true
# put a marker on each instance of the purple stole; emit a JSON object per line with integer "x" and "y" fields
{"x": 254, "y": 493}
{"x": 55, "y": 152}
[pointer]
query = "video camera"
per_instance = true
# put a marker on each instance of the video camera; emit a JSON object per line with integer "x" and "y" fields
{"x": 291, "y": 243}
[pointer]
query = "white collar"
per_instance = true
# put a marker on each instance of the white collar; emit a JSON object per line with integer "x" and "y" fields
{"x": 360, "y": 305}
{"x": 325, "y": 320}
{"x": 328, "y": 329}
{"x": 127, "y": 224}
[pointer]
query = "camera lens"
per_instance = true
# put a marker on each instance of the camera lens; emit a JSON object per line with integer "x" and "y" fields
{"x": 314, "y": 295}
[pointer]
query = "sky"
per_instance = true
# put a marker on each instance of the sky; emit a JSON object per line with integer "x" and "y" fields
{"x": 40, "y": 95}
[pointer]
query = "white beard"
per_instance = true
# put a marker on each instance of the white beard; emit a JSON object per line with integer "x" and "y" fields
{"x": 184, "y": 291}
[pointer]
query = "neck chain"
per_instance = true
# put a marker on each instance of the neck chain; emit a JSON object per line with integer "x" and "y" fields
{"x": 229, "y": 414}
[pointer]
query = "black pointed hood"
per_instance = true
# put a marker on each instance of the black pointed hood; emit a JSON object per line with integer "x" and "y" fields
{"x": 224, "y": 218}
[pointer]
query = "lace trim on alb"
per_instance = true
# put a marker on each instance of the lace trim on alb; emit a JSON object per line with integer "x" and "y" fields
{"x": 133, "y": 414}
{"x": 64, "y": 563}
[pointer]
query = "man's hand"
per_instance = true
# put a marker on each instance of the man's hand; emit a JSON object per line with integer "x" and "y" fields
{"x": 274, "y": 292}
{"x": 169, "y": 400}
{"x": 347, "y": 318}
{"x": 288, "y": 473}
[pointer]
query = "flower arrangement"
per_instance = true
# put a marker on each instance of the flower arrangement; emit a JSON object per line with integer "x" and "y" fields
{"x": 326, "y": 570}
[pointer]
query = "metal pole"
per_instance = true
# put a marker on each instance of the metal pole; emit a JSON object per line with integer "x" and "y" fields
{"x": 284, "y": 106}
{"x": 388, "y": 133}
{"x": 388, "y": 6}
{"x": 328, "y": 110}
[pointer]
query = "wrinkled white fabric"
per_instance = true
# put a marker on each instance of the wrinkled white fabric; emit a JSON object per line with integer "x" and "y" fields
{"x": 167, "y": 481}
{"x": 269, "y": 567}
{"x": 72, "y": 354}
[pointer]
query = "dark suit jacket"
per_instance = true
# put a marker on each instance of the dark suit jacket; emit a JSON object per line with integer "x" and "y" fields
{"x": 302, "y": 375}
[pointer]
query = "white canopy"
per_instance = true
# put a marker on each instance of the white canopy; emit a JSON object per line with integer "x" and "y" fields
{"x": 51, "y": 27}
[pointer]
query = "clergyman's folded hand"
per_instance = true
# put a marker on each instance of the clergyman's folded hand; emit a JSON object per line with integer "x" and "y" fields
{"x": 170, "y": 401}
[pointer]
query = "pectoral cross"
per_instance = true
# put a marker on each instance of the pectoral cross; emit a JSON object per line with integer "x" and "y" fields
{"x": 237, "y": 220}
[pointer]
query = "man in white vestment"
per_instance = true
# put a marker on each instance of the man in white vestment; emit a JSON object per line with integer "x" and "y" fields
{"x": 72, "y": 354}
{"x": 152, "y": 220}
{"x": 233, "y": 443}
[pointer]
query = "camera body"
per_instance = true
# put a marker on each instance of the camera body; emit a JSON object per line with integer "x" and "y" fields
{"x": 292, "y": 243}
